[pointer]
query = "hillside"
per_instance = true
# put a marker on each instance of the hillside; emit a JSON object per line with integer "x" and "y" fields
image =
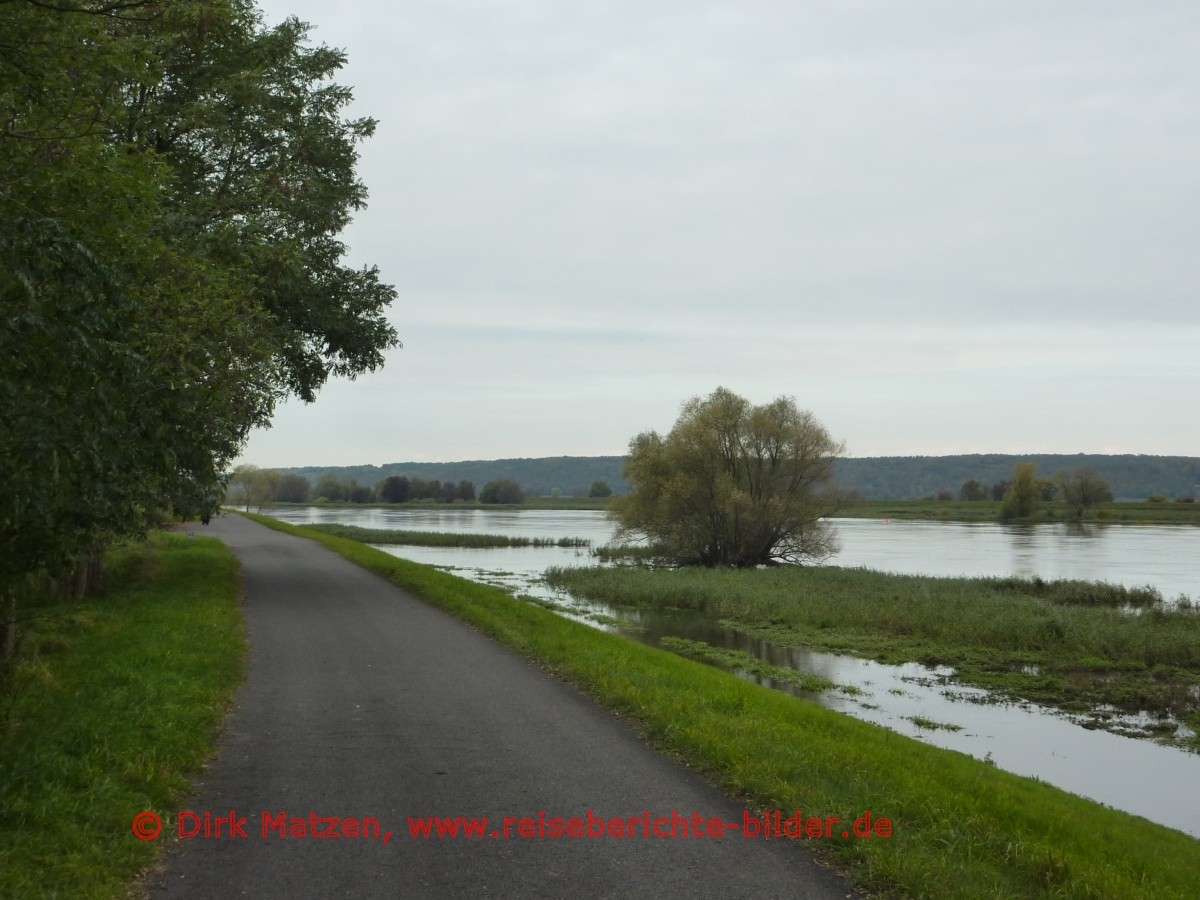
{"x": 881, "y": 477}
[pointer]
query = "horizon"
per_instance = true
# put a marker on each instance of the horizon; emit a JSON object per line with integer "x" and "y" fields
{"x": 453, "y": 462}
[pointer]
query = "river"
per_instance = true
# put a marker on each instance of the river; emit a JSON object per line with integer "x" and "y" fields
{"x": 1131, "y": 774}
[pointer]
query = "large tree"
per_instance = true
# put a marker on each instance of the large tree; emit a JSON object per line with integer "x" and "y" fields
{"x": 733, "y": 484}
{"x": 173, "y": 178}
{"x": 1082, "y": 489}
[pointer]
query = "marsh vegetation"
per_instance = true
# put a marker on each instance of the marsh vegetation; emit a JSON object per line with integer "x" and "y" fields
{"x": 1077, "y": 646}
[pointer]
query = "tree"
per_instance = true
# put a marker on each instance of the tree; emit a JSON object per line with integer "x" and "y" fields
{"x": 501, "y": 490}
{"x": 359, "y": 493}
{"x": 999, "y": 489}
{"x": 329, "y": 488}
{"x": 250, "y": 486}
{"x": 292, "y": 489}
{"x": 972, "y": 490}
{"x": 173, "y": 181}
{"x": 732, "y": 485}
{"x": 1046, "y": 488}
{"x": 1083, "y": 489}
{"x": 395, "y": 489}
{"x": 600, "y": 489}
{"x": 1022, "y": 496}
{"x": 465, "y": 491}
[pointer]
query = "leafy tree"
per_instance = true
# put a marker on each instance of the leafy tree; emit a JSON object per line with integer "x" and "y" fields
{"x": 1022, "y": 496}
{"x": 1046, "y": 488}
{"x": 501, "y": 490}
{"x": 292, "y": 489}
{"x": 1000, "y": 488}
{"x": 465, "y": 490}
{"x": 972, "y": 490}
{"x": 329, "y": 488}
{"x": 359, "y": 493}
{"x": 173, "y": 179}
{"x": 250, "y": 486}
{"x": 395, "y": 489}
{"x": 600, "y": 489}
{"x": 1082, "y": 489}
{"x": 449, "y": 492}
{"x": 732, "y": 484}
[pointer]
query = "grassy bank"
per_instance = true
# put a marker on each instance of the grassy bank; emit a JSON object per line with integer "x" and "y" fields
{"x": 1127, "y": 512}
{"x": 441, "y": 538}
{"x": 116, "y": 703}
{"x": 1070, "y": 644}
{"x": 962, "y": 828}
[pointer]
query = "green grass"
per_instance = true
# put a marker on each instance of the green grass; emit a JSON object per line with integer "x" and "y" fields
{"x": 115, "y": 706}
{"x": 442, "y": 538}
{"x": 1131, "y": 512}
{"x": 741, "y": 661}
{"x": 1075, "y": 645}
{"x": 962, "y": 828}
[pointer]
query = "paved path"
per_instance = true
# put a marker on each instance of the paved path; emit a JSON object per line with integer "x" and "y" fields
{"x": 361, "y": 701}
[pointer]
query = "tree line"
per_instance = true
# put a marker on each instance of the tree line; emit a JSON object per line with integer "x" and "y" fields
{"x": 173, "y": 181}
{"x": 253, "y": 488}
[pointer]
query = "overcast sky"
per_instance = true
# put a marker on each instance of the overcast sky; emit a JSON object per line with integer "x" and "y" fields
{"x": 943, "y": 227}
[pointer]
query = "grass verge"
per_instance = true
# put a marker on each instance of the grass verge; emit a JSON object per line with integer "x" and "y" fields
{"x": 115, "y": 704}
{"x": 1068, "y": 644}
{"x": 962, "y": 828}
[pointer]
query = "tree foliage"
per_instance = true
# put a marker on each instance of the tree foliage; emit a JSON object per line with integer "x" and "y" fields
{"x": 173, "y": 179}
{"x": 502, "y": 490}
{"x": 1023, "y": 494}
{"x": 1083, "y": 489}
{"x": 972, "y": 490}
{"x": 733, "y": 484}
{"x": 599, "y": 489}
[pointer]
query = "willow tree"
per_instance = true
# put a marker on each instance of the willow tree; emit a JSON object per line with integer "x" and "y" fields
{"x": 733, "y": 484}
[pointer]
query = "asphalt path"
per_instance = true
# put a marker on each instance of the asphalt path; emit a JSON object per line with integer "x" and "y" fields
{"x": 363, "y": 703}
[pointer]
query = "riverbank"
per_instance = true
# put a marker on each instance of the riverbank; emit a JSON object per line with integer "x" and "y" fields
{"x": 1124, "y": 512}
{"x": 115, "y": 708}
{"x": 1074, "y": 646}
{"x": 962, "y": 828}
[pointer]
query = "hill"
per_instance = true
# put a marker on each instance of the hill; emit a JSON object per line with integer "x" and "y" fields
{"x": 1132, "y": 477}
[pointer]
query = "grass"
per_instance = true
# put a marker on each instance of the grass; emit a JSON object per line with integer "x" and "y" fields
{"x": 741, "y": 661}
{"x": 442, "y": 538}
{"x": 962, "y": 828}
{"x": 1074, "y": 645}
{"x": 1132, "y": 512}
{"x": 116, "y": 704}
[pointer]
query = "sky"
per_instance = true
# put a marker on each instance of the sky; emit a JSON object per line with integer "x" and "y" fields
{"x": 942, "y": 227}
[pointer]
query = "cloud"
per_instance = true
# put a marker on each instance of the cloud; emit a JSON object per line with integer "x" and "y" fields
{"x": 637, "y": 201}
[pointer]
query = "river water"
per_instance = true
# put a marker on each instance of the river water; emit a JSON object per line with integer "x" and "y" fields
{"x": 1135, "y": 775}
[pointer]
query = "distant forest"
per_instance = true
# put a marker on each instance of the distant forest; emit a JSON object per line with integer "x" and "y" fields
{"x": 878, "y": 477}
